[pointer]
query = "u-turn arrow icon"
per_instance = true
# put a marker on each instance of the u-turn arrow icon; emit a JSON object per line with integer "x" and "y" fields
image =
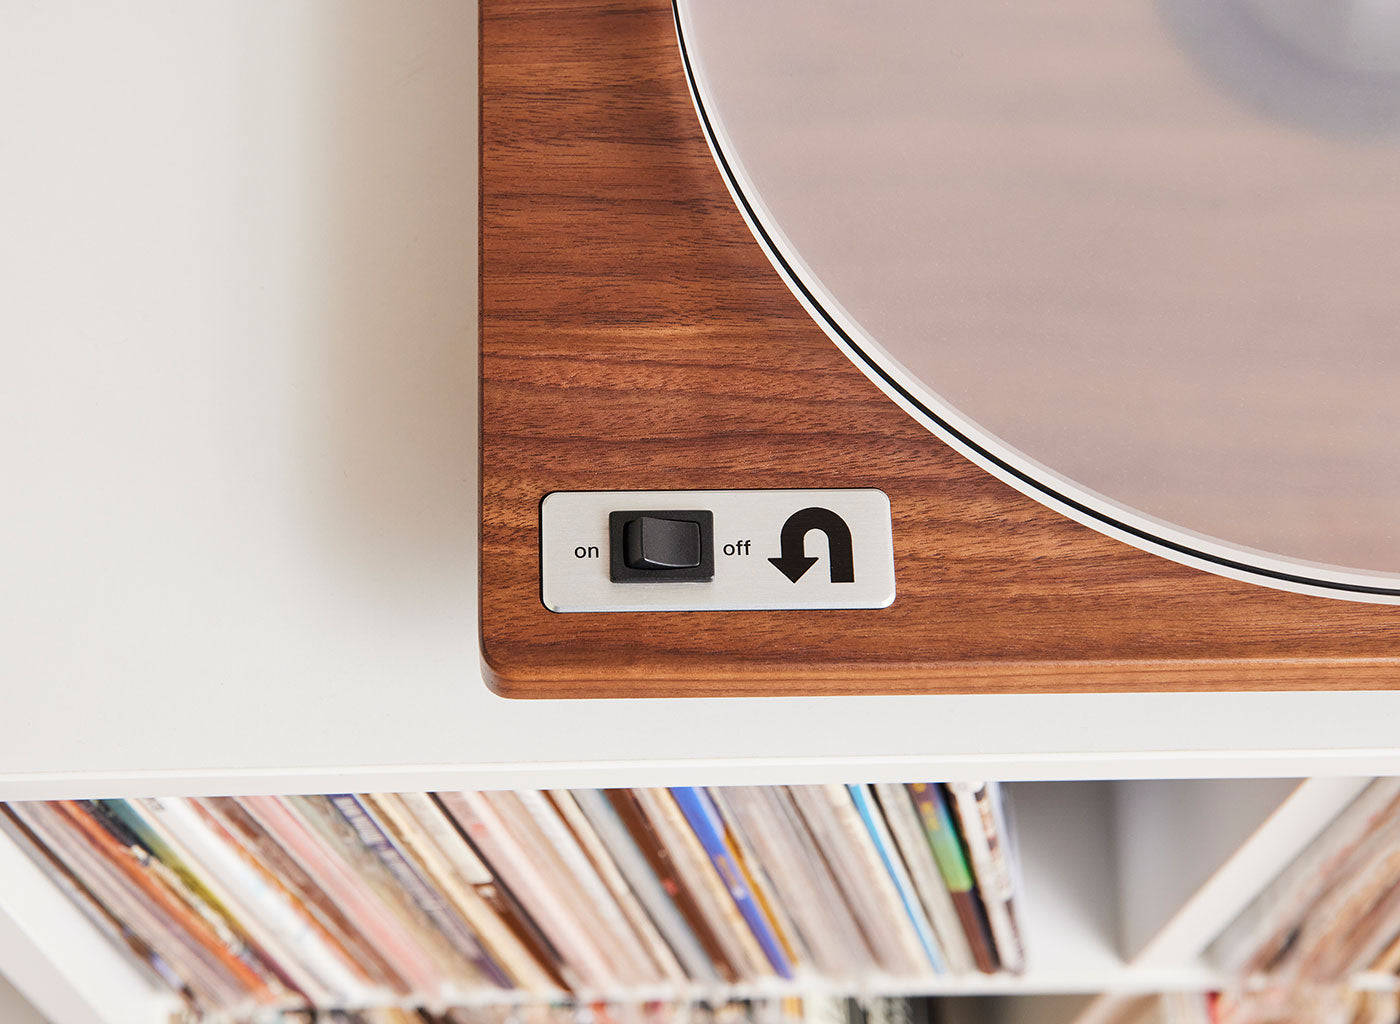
{"x": 794, "y": 560}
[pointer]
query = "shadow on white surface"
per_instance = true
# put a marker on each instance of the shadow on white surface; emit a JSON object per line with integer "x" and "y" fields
{"x": 237, "y": 303}
{"x": 397, "y": 293}
{"x": 14, "y": 1009}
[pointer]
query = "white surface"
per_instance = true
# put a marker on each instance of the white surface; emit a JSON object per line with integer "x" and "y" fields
{"x": 1172, "y": 837}
{"x": 59, "y": 962}
{"x": 1067, "y": 842}
{"x": 1064, "y": 840}
{"x": 14, "y": 1008}
{"x": 748, "y": 529}
{"x": 236, "y": 310}
{"x": 1071, "y": 246}
{"x": 1201, "y": 852}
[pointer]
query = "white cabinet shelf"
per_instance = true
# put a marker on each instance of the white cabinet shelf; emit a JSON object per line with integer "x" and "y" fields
{"x": 240, "y": 514}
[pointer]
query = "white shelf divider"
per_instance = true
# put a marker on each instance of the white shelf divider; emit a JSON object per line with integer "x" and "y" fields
{"x": 1194, "y": 854}
{"x": 59, "y": 962}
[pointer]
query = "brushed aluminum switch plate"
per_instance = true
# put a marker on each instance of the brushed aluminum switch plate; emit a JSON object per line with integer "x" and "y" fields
{"x": 773, "y": 549}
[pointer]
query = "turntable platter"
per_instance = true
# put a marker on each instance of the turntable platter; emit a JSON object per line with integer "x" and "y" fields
{"x": 1139, "y": 260}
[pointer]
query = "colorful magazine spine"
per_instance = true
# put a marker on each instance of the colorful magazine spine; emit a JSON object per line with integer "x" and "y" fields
{"x": 628, "y": 805}
{"x": 367, "y": 827}
{"x": 889, "y": 856}
{"x": 903, "y": 820}
{"x": 660, "y": 955}
{"x": 523, "y": 871}
{"x": 275, "y": 922}
{"x": 984, "y": 833}
{"x": 952, "y": 863}
{"x": 705, "y": 822}
{"x": 647, "y": 885}
{"x": 699, "y": 876}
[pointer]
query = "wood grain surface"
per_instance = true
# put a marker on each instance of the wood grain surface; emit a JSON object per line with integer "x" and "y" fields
{"x": 634, "y": 336}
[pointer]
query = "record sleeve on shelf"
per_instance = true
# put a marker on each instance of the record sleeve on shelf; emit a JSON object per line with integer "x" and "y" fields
{"x": 493, "y": 890}
{"x": 898, "y": 874}
{"x": 261, "y": 850}
{"x": 370, "y": 868}
{"x": 695, "y": 870}
{"x": 983, "y": 829}
{"x": 1332, "y": 914}
{"x": 1261, "y": 932}
{"x": 801, "y": 879}
{"x": 647, "y": 885}
{"x": 951, "y": 857}
{"x": 898, "y": 808}
{"x": 251, "y": 902}
{"x": 628, "y": 805}
{"x": 197, "y": 969}
{"x": 348, "y": 888}
{"x": 457, "y": 888}
{"x": 585, "y": 890}
{"x": 705, "y": 822}
{"x": 66, "y": 879}
{"x": 659, "y": 954}
{"x": 434, "y": 912}
{"x": 326, "y": 907}
{"x": 760, "y": 883}
{"x": 837, "y": 827}
{"x": 528, "y": 878}
{"x": 206, "y": 925}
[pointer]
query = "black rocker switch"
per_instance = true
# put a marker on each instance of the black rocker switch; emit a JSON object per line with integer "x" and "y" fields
{"x": 651, "y": 543}
{"x": 662, "y": 546}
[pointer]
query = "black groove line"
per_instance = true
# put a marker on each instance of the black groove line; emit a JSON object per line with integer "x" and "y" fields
{"x": 894, "y": 385}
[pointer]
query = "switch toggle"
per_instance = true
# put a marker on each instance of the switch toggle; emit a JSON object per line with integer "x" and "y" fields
{"x": 662, "y": 546}
{"x": 651, "y": 543}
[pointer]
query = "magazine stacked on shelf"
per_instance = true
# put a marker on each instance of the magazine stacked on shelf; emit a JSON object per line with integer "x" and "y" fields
{"x": 823, "y": 1010}
{"x": 1169, "y": 1008}
{"x": 256, "y": 907}
{"x": 1322, "y": 941}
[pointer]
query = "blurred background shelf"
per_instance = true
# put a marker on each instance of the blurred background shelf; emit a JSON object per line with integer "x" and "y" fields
{"x": 1090, "y": 877}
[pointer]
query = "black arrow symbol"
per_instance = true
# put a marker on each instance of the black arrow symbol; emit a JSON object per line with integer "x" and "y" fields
{"x": 795, "y": 562}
